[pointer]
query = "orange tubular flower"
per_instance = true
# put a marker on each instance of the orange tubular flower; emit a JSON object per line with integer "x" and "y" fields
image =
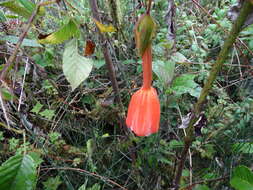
{"x": 143, "y": 115}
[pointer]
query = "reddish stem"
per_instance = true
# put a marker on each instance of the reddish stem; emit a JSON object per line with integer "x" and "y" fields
{"x": 147, "y": 68}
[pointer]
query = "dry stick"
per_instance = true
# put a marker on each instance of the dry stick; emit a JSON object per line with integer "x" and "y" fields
{"x": 89, "y": 173}
{"x": 237, "y": 27}
{"x": 107, "y": 55}
{"x": 17, "y": 47}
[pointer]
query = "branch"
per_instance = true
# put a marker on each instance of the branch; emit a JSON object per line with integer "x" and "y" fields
{"x": 237, "y": 27}
{"x": 108, "y": 58}
{"x": 19, "y": 43}
{"x": 88, "y": 173}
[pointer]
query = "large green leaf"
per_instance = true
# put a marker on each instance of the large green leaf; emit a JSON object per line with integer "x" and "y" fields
{"x": 76, "y": 68}
{"x": 18, "y": 173}
{"x": 15, "y": 7}
{"x": 28, "y": 5}
{"x": 186, "y": 84}
{"x": 242, "y": 178}
{"x": 64, "y": 33}
{"x": 164, "y": 70}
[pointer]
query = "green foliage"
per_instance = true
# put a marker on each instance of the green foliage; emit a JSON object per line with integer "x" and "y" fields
{"x": 164, "y": 70}
{"x": 15, "y": 7}
{"x": 48, "y": 114}
{"x": 26, "y": 42}
{"x": 18, "y": 172}
{"x": 36, "y": 109}
{"x": 242, "y": 178}
{"x": 13, "y": 144}
{"x": 75, "y": 67}
{"x": 2, "y": 17}
{"x": 52, "y": 183}
{"x": 64, "y": 33}
{"x": 246, "y": 148}
{"x": 186, "y": 84}
{"x": 81, "y": 128}
{"x": 201, "y": 187}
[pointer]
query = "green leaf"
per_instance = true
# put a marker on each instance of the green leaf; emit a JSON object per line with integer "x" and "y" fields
{"x": 242, "y": 178}
{"x": 18, "y": 172}
{"x": 36, "y": 109}
{"x": 164, "y": 70}
{"x": 96, "y": 186}
{"x": 7, "y": 95}
{"x": 28, "y": 5}
{"x": 246, "y": 148}
{"x": 90, "y": 144}
{"x": 49, "y": 114}
{"x": 15, "y": 7}
{"x": 98, "y": 63}
{"x": 201, "y": 187}
{"x": 64, "y": 33}
{"x": 2, "y": 17}
{"x": 75, "y": 67}
{"x": 52, "y": 183}
{"x": 26, "y": 42}
{"x": 185, "y": 84}
{"x": 179, "y": 58}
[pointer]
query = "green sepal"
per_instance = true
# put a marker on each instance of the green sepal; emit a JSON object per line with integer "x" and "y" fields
{"x": 144, "y": 32}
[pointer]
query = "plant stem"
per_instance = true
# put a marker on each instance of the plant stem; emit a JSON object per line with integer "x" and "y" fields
{"x": 107, "y": 56}
{"x": 149, "y": 7}
{"x": 147, "y": 67}
{"x": 237, "y": 27}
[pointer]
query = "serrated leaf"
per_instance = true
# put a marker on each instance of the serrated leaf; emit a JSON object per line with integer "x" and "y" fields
{"x": 15, "y": 7}
{"x": 49, "y": 114}
{"x": 64, "y": 33}
{"x": 242, "y": 178}
{"x": 26, "y": 42}
{"x": 104, "y": 28}
{"x": 18, "y": 172}
{"x": 186, "y": 84}
{"x": 36, "y": 109}
{"x": 164, "y": 70}
{"x": 52, "y": 183}
{"x": 76, "y": 68}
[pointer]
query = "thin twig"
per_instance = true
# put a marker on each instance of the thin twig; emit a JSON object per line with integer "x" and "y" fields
{"x": 89, "y": 173}
{"x": 4, "y": 110}
{"x": 11, "y": 129}
{"x": 22, "y": 87}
